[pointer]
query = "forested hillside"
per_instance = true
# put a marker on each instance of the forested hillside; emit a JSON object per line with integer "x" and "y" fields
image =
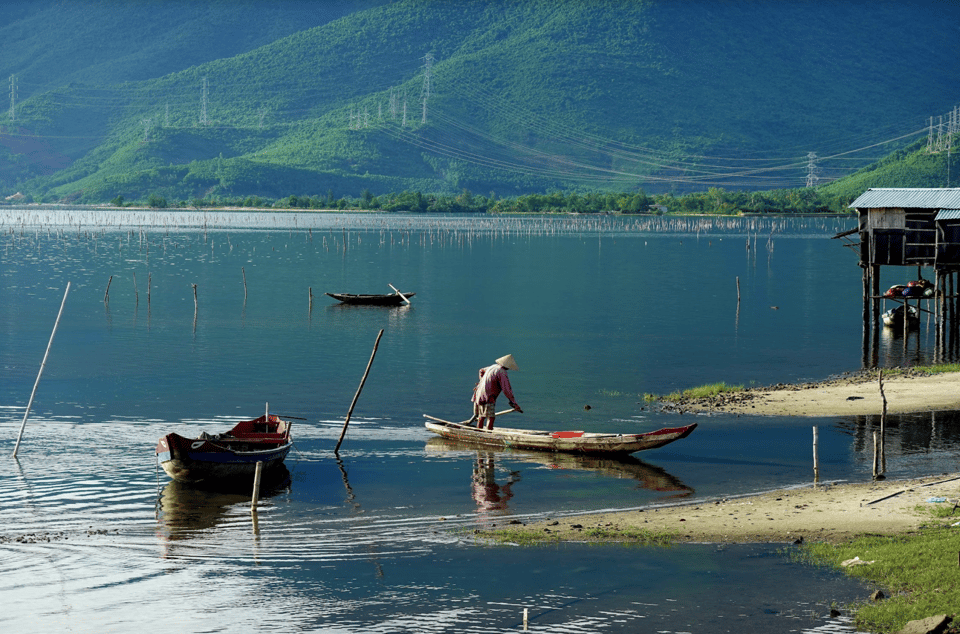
{"x": 190, "y": 101}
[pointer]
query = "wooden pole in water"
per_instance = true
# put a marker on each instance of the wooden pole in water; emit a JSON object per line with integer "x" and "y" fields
{"x": 875, "y": 459}
{"x": 816, "y": 461}
{"x": 343, "y": 432}
{"x": 244, "y": 273}
{"x": 256, "y": 487}
{"x": 42, "y": 365}
{"x": 738, "y": 289}
{"x": 106, "y": 293}
{"x": 883, "y": 425}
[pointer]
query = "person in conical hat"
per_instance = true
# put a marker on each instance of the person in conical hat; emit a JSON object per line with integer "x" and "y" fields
{"x": 493, "y": 381}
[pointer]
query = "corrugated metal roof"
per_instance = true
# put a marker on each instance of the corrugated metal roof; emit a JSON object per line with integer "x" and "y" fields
{"x": 948, "y": 214}
{"x": 909, "y": 198}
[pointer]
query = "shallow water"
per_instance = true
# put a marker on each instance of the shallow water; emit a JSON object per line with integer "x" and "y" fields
{"x": 597, "y": 311}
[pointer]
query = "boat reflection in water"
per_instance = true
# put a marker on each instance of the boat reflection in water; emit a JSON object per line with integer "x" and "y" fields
{"x": 492, "y": 497}
{"x": 187, "y": 510}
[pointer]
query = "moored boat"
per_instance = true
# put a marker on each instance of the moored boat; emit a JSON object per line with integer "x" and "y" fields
{"x": 559, "y": 441}
{"x": 388, "y": 299}
{"x": 893, "y": 318}
{"x": 227, "y": 458}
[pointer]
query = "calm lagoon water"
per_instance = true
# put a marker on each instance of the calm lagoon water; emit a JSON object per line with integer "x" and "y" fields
{"x": 597, "y": 312}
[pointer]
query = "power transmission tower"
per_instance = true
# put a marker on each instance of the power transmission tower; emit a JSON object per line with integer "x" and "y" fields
{"x": 393, "y": 105}
{"x": 812, "y": 170}
{"x": 404, "y": 124}
{"x": 262, "y": 112}
{"x": 425, "y": 95}
{"x": 203, "y": 103}
{"x": 13, "y": 97}
{"x": 146, "y": 130}
{"x": 930, "y": 138}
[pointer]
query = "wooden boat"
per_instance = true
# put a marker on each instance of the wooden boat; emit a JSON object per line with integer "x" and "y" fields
{"x": 230, "y": 457}
{"x": 388, "y": 299}
{"x": 893, "y": 318}
{"x": 560, "y": 441}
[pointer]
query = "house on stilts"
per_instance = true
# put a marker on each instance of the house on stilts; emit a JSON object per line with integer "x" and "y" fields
{"x": 910, "y": 227}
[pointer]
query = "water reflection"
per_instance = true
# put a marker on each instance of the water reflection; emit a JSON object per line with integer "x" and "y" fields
{"x": 184, "y": 510}
{"x": 492, "y": 496}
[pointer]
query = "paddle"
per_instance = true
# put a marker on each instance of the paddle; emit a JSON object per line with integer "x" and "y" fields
{"x": 506, "y": 411}
{"x": 399, "y": 293}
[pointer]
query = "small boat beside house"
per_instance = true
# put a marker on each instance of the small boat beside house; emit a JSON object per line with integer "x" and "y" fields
{"x": 387, "y": 299}
{"x": 559, "y": 441}
{"x": 893, "y": 318}
{"x": 227, "y": 458}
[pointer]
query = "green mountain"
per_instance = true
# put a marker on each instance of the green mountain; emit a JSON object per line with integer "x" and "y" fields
{"x": 228, "y": 100}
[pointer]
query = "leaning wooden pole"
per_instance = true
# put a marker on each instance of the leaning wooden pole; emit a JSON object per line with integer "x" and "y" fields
{"x": 39, "y": 374}
{"x": 343, "y": 432}
{"x": 883, "y": 425}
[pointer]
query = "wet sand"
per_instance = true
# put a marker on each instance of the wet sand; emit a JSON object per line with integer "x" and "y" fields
{"x": 825, "y": 512}
{"x": 856, "y": 394}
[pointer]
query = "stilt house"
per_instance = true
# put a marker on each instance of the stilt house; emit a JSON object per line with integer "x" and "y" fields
{"x": 911, "y": 227}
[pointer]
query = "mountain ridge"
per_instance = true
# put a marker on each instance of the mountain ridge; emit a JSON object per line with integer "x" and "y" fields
{"x": 525, "y": 96}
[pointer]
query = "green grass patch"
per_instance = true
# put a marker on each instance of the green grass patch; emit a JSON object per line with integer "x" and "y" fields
{"x": 918, "y": 573}
{"x": 519, "y": 537}
{"x": 704, "y": 391}
{"x": 526, "y": 537}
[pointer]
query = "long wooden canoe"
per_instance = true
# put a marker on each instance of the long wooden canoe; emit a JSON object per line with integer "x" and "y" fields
{"x": 561, "y": 441}
{"x": 389, "y": 299}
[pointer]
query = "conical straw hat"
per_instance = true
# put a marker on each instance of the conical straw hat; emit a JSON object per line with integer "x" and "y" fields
{"x": 508, "y": 362}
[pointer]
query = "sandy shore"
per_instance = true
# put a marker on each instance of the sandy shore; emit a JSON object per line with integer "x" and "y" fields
{"x": 826, "y": 512}
{"x": 857, "y": 394}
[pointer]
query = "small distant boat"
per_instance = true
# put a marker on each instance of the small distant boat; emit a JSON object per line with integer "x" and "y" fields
{"x": 388, "y": 299}
{"x": 230, "y": 457}
{"x": 559, "y": 441}
{"x": 893, "y": 318}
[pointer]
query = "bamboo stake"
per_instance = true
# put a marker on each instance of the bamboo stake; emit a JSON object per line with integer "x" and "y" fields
{"x": 244, "y": 273}
{"x": 883, "y": 425}
{"x": 106, "y": 294}
{"x": 816, "y": 462}
{"x": 256, "y": 487}
{"x": 42, "y": 365}
{"x": 343, "y": 432}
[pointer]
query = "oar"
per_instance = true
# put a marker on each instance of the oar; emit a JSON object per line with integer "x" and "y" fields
{"x": 506, "y": 411}
{"x": 399, "y": 293}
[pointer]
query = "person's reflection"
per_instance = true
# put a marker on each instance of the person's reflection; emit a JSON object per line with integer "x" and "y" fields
{"x": 490, "y": 496}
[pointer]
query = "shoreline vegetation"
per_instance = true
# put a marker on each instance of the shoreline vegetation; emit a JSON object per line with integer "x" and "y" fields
{"x": 903, "y": 536}
{"x": 716, "y": 202}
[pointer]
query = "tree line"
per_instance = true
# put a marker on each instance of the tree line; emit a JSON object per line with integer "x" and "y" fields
{"x": 716, "y": 201}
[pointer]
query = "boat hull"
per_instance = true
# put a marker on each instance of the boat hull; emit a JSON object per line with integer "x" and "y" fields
{"x": 564, "y": 442}
{"x": 392, "y": 299}
{"x": 229, "y": 458}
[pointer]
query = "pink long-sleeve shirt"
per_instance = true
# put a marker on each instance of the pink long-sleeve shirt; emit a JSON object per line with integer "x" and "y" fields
{"x": 494, "y": 381}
